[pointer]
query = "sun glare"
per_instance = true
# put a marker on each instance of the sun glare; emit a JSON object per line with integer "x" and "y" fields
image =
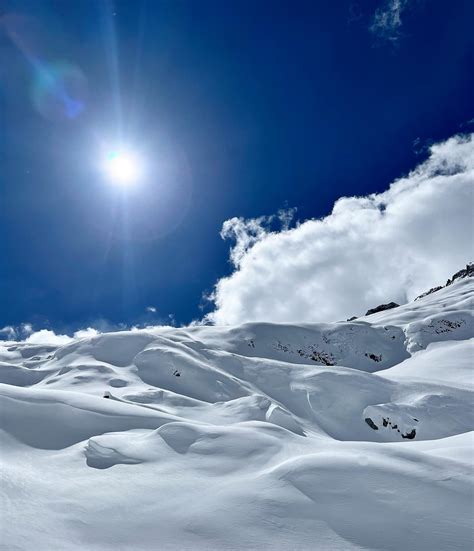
{"x": 122, "y": 167}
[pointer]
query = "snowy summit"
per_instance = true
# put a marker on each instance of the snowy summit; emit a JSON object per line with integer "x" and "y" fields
{"x": 348, "y": 435}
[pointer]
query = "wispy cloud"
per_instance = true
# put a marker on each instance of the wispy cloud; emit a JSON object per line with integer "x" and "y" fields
{"x": 387, "y": 21}
{"x": 10, "y": 332}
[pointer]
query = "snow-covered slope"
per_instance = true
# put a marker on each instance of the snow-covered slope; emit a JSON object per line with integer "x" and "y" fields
{"x": 351, "y": 435}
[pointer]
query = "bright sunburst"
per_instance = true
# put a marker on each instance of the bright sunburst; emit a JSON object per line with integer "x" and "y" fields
{"x": 122, "y": 167}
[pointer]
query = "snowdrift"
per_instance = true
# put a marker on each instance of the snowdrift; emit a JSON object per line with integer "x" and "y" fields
{"x": 350, "y": 435}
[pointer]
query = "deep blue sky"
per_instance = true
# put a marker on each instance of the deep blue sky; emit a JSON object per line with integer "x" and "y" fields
{"x": 240, "y": 107}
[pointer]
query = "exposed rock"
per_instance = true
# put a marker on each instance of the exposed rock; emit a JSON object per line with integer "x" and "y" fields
{"x": 371, "y": 424}
{"x": 441, "y": 326}
{"x": 432, "y": 290}
{"x": 374, "y": 357}
{"x": 352, "y": 319}
{"x": 410, "y": 435}
{"x": 381, "y": 308}
{"x": 310, "y": 352}
{"x": 468, "y": 271}
{"x": 323, "y": 358}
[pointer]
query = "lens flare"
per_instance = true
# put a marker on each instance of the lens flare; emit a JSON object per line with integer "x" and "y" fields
{"x": 59, "y": 90}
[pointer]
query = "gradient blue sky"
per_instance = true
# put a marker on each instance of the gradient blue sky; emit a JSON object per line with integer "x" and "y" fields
{"x": 240, "y": 108}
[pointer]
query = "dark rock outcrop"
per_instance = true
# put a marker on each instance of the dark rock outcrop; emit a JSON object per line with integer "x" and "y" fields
{"x": 468, "y": 271}
{"x": 426, "y": 293}
{"x": 371, "y": 424}
{"x": 374, "y": 357}
{"x": 381, "y": 308}
{"x": 410, "y": 435}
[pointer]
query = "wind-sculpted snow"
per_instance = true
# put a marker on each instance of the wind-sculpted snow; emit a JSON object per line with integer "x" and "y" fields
{"x": 351, "y": 435}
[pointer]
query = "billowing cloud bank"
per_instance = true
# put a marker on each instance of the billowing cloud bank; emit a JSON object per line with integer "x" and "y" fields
{"x": 369, "y": 250}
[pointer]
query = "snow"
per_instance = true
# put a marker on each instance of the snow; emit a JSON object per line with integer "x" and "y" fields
{"x": 259, "y": 436}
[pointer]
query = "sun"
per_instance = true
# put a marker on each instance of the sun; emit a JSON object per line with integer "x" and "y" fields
{"x": 122, "y": 167}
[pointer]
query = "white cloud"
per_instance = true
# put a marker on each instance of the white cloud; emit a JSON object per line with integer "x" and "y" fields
{"x": 26, "y": 329}
{"x": 248, "y": 232}
{"x": 151, "y": 309}
{"x": 369, "y": 250}
{"x": 26, "y": 333}
{"x": 387, "y": 20}
{"x": 46, "y": 336}
{"x": 86, "y": 333}
{"x": 8, "y": 332}
{"x": 11, "y": 332}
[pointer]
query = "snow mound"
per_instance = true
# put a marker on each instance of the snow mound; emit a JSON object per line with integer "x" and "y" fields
{"x": 350, "y": 435}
